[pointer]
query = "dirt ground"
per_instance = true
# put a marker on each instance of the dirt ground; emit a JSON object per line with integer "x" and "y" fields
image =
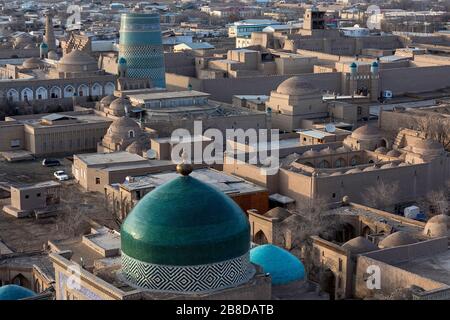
{"x": 77, "y": 208}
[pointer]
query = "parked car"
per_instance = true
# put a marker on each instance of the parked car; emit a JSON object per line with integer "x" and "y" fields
{"x": 61, "y": 175}
{"x": 50, "y": 162}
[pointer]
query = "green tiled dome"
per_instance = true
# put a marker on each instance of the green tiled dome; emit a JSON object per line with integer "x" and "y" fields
{"x": 185, "y": 222}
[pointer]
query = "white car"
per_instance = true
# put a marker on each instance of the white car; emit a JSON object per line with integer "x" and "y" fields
{"x": 61, "y": 175}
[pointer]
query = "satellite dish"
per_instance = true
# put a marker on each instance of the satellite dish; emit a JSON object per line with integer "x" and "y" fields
{"x": 151, "y": 154}
{"x": 330, "y": 128}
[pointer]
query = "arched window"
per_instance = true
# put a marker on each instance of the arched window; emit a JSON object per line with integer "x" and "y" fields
{"x": 339, "y": 163}
{"x": 69, "y": 91}
{"x": 13, "y": 95}
{"x": 83, "y": 90}
{"x": 324, "y": 164}
{"x": 131, "y": 134}
{"x": 355, "y": 161}
{"x": 21, "y": 280}
{"x": 55, "y": 93}
{"x": 27, "y": 94}
{"x": 260, "y": 238}
{"x": 96, "y": 90}
{"x": 109, "y": 88}
{"x": 41, "y": 93}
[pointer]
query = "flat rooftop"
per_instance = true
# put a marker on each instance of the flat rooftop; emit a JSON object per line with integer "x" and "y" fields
{"x": 186, "y": 139}
{"x": 316, "y": 133}
{"x": 34, "y": 120}
{"x": 263, "y": 146}
{"x": 92, "y": 159}
{"x": 105, "y": 238}
{"x": 250, "y": 97}
{"x": 80, "y": 251}
{"x": 147, "y": 164}
{"x": 144, "y": 97}
{"x": 226, "y": 183}
{"x": 400, "y": 223}
{"x": 39, "y": 185}
{"x": 436, "y": 267}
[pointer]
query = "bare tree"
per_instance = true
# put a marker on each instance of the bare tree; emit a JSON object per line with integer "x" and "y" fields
{"x": 435, "y": 127}
{"x": 312, "y": 218}
{"x": 72, "y": 216}
{"x": 382, "y": 195}
{"x": 436, "y": 202}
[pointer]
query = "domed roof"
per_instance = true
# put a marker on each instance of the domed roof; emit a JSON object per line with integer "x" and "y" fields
{"x": 32, "y": 63}
{"x": 296, "y": 86}
{"x": 359, "y": 245}
{"x": 77, "y": 57}
{"x": 388, "y": 166}
{"x": 282, "y": 266}
{"x": 23, "y": 40}
{"x": 440, "y": 218}
{"x": 121, "y": 128}
{"x": 106, "y": 101}
{"x": 354, "y": 170}
{"x": 366, "y": 132}
{"x": 120, "y": 105}
{"x": 371, "y": 168}
{"x": 278, "y": 212}
{"x": 185, "y": 222}
{"x": 353, "y": 65}
{"x": 437, "y": 226}
{"x": 43, "y": 45}
{"x": 394, "y": 153}
{"x": 15, "y": 292}
{"x": 310, "y": 153}
{"x": 342, "y": 149}
{"x": 327, "y": 150}
{"x": 427, "y": 146}
{"x": 77, "y": 61}
{"x": 381, "y": 150}
{"x": 136, "y": 148}
{"x": 122, "y": 60}
{"x": 396, "y": 239}
{"x": 375, "y": 64}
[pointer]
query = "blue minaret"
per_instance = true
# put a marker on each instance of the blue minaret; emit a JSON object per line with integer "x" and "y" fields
{"x": 141, "y": 46}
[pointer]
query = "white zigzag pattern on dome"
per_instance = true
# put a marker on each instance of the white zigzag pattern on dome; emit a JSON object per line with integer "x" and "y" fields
{"x": 187, "y": 279}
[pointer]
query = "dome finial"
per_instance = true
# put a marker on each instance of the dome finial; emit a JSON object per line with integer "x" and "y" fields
{"x": 184, "y": 168}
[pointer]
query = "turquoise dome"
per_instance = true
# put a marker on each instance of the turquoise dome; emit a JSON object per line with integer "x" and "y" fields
{"x": 282, "y": 266}
{"x": 185, "y": 222}
{"x": 43, "y": 45}
{"x": 15, "y": 292}
{"x": 122, "y": 60}
{"x": 375, "y": 64}
{"x": 353, "y": 65}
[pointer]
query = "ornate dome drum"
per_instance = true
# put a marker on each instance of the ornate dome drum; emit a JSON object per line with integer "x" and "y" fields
{"x": 186, "y": 237}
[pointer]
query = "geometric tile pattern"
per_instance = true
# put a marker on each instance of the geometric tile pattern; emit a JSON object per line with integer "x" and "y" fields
{"x": 187, "y": 279}
{"x": 144, "y": 61}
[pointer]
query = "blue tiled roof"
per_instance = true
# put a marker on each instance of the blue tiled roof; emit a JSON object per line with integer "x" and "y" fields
{"x": 283, "y": 266}
{"x": 15, "y": 292}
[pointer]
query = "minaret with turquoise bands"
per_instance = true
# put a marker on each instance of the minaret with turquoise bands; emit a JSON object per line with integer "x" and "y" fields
{"x": 141, "y": 46}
